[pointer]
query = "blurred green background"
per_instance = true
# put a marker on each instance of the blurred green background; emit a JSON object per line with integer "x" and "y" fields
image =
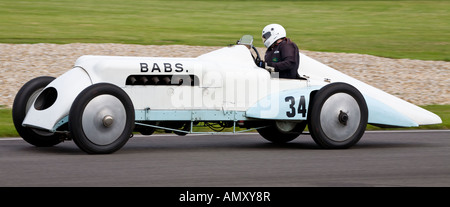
{"x": 397, "y": 29}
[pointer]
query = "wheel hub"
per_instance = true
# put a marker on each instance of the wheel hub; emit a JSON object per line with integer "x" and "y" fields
{"x": 285, "y": 126}
{"x": 108, "y": 121}
{"x": 343, "y": 117}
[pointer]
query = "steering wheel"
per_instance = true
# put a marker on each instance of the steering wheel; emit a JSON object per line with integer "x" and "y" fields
{"x": 258, "y": 57}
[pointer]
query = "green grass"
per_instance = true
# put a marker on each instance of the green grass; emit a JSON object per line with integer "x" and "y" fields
{"x": 7, "y": 127}
{"x": 397, "y": 29}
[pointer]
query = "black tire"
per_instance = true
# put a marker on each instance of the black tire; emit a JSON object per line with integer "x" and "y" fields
{"x": 146, "y": 131}
{"x": 101, "y": 119}
{"x": 275, "y": 134}
{"x": 22, "y": 103}
{"x": 186, "y": 127}
{"x": 338, "y": 116}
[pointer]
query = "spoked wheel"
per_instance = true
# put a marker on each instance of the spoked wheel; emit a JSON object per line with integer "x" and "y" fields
{"x": 280, "y": 132}
{"x": 22, "y": 103}
{"x": 338, "y": 116}
{"x": 101, "y": 119}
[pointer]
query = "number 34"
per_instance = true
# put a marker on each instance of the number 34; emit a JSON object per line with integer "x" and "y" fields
{"x": 301, "y": 107}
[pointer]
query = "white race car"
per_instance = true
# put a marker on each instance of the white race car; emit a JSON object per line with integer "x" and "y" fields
{"x": 102, "y": 100}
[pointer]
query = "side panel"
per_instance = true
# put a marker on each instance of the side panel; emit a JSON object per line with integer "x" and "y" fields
{"x": 116, "y": 69}
{"x": 68, "y": 86}
{"x": 165, "y": 97}
{"x": 286, "y": 105}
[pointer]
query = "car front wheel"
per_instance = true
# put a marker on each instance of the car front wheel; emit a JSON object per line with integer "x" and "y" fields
{"x": 101, "y": 119}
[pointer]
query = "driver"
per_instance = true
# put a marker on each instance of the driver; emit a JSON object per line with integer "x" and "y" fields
{"x": 282, "y": 55}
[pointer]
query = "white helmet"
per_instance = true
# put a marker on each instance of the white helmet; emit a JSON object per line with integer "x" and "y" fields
{"x": 272, "y": 33}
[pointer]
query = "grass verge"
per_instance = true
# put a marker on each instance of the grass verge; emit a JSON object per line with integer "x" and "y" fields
{"x": 7, "y": 128}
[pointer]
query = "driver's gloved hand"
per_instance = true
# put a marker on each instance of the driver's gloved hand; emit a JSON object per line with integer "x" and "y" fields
{"x": 261, "y": 64}
{"x": 270, "y": 69}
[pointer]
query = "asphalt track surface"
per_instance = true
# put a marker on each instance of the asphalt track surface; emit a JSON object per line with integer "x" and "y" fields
{"x": 381, "y": 158}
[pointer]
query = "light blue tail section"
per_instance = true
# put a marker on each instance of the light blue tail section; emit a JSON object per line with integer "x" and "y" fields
{"x": 293, "y": 105}
{"x": 384, "y": 115}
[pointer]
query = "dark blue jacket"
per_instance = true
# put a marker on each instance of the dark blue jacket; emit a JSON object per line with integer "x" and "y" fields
{"x": 284, "y": 57}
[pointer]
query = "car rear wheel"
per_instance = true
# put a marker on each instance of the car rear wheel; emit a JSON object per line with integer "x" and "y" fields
{"x": 101, "y": 119}
{"x": 280, "y": 132}
{"x": 338, "y": 116}
{"x": 22, "y": 103}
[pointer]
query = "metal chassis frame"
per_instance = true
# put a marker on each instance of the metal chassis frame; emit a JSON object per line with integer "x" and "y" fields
{"x": 192, "y": 132}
